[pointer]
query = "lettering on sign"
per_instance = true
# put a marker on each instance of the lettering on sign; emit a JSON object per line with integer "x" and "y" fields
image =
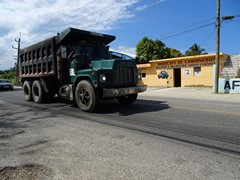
{"x": 233, "y": 86}
{"x": 186, "y": 63}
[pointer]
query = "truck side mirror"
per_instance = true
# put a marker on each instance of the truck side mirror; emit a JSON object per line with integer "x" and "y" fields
{"x": 63, "y": 52}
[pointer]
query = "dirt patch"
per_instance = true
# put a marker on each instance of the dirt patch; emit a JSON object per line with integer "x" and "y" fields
{"x": 26, "y": 172}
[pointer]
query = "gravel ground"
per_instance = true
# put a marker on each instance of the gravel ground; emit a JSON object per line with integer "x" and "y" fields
{"x": 26, "y": 172}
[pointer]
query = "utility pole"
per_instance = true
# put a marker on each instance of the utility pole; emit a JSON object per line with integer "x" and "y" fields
{"x": 217, "y": 47}
{"x": 18, "y": 51}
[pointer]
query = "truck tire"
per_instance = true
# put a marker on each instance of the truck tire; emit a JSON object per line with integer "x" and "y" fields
{"x": 86, "y": 97}
{"x": 128, "y": 99}
{"x": 27, "y": 90}
{"x": 38, "y": 93}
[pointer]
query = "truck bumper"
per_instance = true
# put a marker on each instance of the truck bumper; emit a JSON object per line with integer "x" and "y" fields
{"x": 115, "y": 92}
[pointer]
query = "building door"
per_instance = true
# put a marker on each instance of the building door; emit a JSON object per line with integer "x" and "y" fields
{"x": 177, "y": 77}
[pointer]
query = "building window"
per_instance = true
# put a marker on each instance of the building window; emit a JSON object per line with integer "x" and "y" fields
{"x": 197, "y": 71}
{"x": 143, "y": 75}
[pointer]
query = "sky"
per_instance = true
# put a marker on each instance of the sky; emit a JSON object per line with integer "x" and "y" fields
{"x": 177, "y": 23}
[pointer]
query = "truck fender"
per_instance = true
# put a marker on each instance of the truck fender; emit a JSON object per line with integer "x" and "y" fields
{"x": 86, "y": 77}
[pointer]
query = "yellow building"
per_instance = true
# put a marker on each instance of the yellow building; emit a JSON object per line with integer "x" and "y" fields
{"x": 182, "y": 71}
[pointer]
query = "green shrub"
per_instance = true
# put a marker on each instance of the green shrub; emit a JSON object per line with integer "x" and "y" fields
{"x": 11, "y": 76}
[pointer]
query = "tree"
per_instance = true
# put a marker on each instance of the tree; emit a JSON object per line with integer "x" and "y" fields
{"x": 175, "y": 53}
{"x": 147, "y": 50}
{"x": 195, "y": 50}
{"x": 9, "y": 74}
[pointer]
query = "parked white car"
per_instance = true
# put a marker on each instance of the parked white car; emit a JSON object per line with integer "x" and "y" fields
{"x": 5, "y": 84}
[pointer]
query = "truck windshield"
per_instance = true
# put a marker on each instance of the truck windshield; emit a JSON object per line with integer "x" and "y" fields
{"x": 96, "y": 52}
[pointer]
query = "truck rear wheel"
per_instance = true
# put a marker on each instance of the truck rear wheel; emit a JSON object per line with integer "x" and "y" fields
{"x": 128, "y": 99}
{"x": 86, "y": 97}
{"x": 27, "y": 90}
{"x": 38, "y": 93}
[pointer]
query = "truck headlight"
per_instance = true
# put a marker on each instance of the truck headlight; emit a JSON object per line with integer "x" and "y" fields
{"x": 139, "y": 75}
{"x": 103, "y": 78}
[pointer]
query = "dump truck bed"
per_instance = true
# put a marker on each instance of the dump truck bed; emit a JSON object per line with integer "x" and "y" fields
{"x": 39, "y": 60}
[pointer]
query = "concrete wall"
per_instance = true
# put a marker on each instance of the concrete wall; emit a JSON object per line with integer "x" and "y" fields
{"x": 205, "y": 78}
{"x": 227, "y": 85}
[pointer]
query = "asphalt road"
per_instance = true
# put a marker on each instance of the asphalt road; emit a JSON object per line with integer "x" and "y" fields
{"x": 159, "y": 137}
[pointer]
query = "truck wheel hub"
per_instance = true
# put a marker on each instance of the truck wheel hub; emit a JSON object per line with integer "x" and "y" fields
{"x": 84, "y": 97}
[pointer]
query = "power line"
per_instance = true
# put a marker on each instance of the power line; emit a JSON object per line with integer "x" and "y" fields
{"x": 58, "y": 18}
{"x": 202, "y": 44}
{"x": 68, "y": 14}
{"x": 134, "y": 11}
{"x": 146, "y": 6}
{"x": 184, "y": 32}
{"x": 149, "y": 5}
{"x": 106, "y": 7}
{"x": 187, "y": 27}
{"x": 214, "y": 30}
{"x": 176, "y": 34}
{"x": 173, "y": 34}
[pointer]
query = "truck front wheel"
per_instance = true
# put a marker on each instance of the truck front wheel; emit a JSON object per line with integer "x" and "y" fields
{"x": 27, "y": 90}
{"x": 128, "y": 99}
{"x": 38, "y": 93}
{"x": 86, "y": 97}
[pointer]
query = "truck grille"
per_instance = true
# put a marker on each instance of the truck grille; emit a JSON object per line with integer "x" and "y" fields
{"x": 125, "y": 75}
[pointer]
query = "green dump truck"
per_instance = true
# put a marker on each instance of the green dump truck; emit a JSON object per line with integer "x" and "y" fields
{"x": 77, "y": 65}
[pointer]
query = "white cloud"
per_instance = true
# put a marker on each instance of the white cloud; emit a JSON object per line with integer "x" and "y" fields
{"x": 143, "y": 7}
{"x": 37, "y": 20}
{"x": 127, "y": 50}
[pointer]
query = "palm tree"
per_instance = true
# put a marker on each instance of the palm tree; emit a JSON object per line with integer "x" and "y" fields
{"x": 195, "y": 50}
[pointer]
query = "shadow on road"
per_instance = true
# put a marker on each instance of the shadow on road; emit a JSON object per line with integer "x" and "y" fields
{"x": 9, "y": 90}
{"x": 140, "y": 106}
{"x": 105, "y": 107}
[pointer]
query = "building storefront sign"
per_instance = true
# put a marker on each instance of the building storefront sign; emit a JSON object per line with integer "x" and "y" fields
{"x": 186, "y": 63}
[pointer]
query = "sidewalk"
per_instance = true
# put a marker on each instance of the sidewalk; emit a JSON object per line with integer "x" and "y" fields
{"x": 203, "y": 93}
